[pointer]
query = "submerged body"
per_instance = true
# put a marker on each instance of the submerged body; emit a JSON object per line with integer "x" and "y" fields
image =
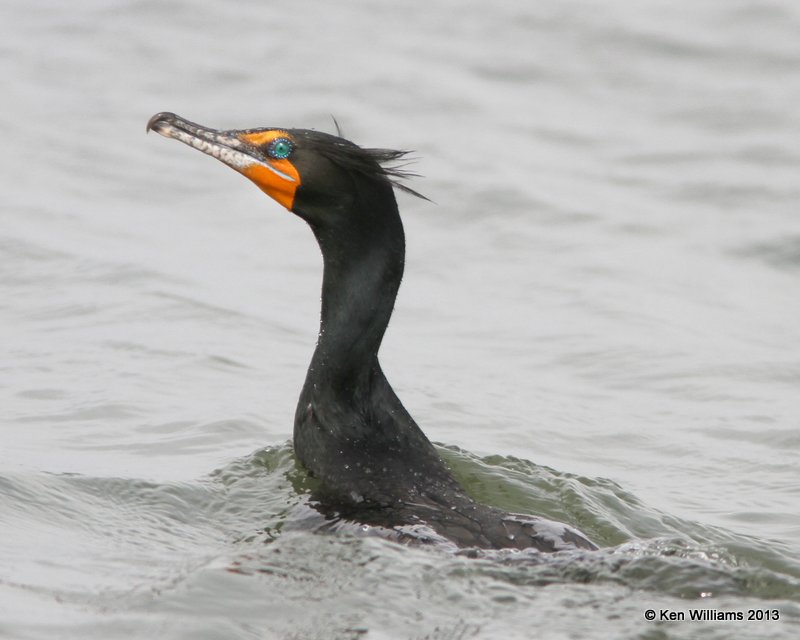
{"x": 375, "y": 465}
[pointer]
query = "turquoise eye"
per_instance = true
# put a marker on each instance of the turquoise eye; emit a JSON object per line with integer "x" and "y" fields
{"x": 280, "y": 148}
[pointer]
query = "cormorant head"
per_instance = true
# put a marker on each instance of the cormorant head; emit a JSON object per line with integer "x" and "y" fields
{"x": 316, "y": 175}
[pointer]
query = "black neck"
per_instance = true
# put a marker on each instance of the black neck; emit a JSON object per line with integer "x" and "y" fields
{"x": 363, "y": 265}
{"x": 349, "y": 420}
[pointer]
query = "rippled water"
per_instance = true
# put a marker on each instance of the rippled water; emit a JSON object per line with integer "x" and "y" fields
{"x": 598, "y": 319}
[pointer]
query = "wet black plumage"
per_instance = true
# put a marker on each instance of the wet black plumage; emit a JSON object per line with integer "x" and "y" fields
{"x": 351, "y": 431}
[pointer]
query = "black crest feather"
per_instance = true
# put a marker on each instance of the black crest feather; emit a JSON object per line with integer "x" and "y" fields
{"x": 388, "y": 165}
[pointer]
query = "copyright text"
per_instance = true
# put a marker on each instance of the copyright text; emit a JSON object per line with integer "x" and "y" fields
{"x": 710, "y": 615}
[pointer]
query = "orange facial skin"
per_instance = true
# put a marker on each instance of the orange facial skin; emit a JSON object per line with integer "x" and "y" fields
{"x": 278, "y": 188}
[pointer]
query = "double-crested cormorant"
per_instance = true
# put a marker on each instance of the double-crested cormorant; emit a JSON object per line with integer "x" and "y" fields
{"x": 351, "y": 431}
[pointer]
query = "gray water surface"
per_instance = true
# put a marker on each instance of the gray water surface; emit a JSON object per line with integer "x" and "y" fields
{"x": 599, "y": 319}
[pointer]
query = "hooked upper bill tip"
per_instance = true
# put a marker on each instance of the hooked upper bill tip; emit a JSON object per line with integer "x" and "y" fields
{"x": 162, "y": 117}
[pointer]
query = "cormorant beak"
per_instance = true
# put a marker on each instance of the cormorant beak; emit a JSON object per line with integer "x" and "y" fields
{"x": 240, "y": 150}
